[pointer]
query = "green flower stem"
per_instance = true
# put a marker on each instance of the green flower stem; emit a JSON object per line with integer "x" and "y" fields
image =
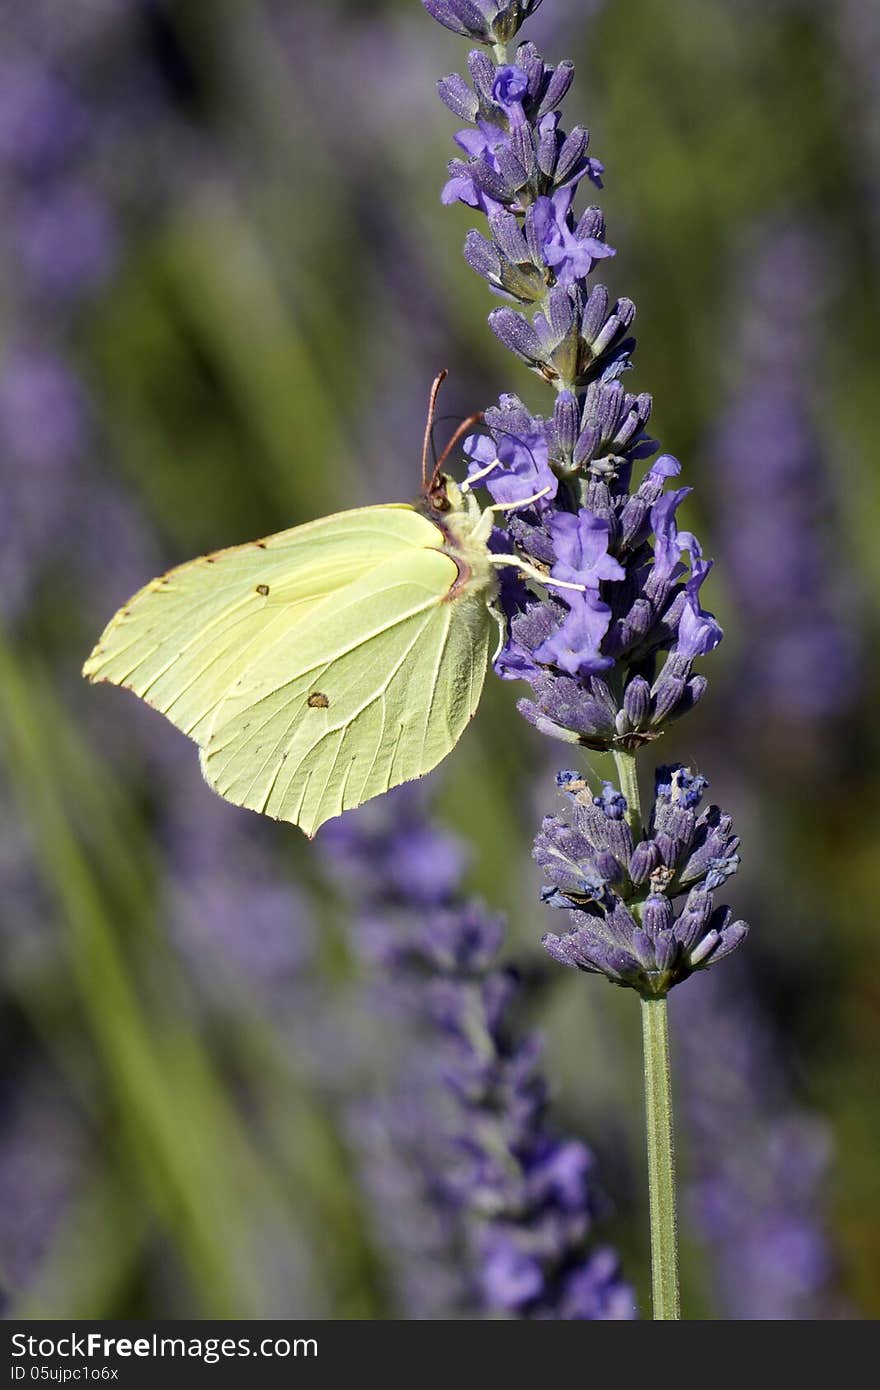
{"x": 661, "y": 1160}
{"x": 629, "y": 785}
{"x": 658, "y": 1106}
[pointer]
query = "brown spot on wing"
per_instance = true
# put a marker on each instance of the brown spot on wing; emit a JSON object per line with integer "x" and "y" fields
{"x": 318, "y": 700}
{"x": 263, "y": 590}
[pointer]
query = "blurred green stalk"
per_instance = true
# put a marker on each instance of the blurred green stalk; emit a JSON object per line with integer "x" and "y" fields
{"x": 181, "y": 1137}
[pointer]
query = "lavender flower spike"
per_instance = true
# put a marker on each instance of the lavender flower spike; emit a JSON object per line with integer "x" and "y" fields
{"x": 619, "y": 893}
{"x": 613, "y": 664}
{"x": 468, "y": 1112}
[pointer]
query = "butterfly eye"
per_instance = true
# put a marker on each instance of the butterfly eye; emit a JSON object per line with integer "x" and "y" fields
{"x": 438, "y": 498}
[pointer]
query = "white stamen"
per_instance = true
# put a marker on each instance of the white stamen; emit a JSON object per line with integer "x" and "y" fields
{"x": 480, "y": 473}
{"x": 534, "y": 573}
{"x": 514, "y": 506}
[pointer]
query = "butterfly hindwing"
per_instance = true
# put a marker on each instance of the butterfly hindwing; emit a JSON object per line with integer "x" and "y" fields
{"x": 184, "y": 639}
{"x": 371, "y": 688}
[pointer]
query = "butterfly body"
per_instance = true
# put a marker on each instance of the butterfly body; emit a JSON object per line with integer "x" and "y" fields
{"x": 323, "y": 665}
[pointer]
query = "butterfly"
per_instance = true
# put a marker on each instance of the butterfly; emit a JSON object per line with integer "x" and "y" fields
{"x": 321, "y": 666}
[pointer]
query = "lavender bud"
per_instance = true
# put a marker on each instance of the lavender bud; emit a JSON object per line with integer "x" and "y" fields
{"x": 692, "y": 923}
{"x": 643, "y": 949}
{"x": 666, "y": 953}
{"x": 461, "y": 16}
{"x": 656, "y": 916}
{"x": 482, "y": 257}
{"x": 573, "y": 149}
{"x": 557, "y": 87}
{"x": 667, "y": 694}
{"x": 566, "y": 418}
{"x": 644, "y": 859}
{"x": 482, "y": 71}
{"x": 509, "y": 238}
{"x": 457, "y": 95}
{"x": 637, "y": 702}
{"x": 514, "y": 175}
{"x": 517, "y": 334}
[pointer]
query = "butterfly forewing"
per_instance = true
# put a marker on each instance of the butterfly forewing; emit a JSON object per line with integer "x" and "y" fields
{"x": 187, "y": 637}
{"x": 372, "y": 688}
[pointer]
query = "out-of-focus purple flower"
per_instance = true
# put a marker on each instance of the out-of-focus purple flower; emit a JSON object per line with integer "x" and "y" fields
{"x": 44, "y": 1162}
{"x": 756, "y": 1163}
{"x": 43, "y": 432}
{"x": 469, "y": 1112}
{"x": 67, "y": 241}
{"x": 240, "y": 925}
{"x": 42, "y": 411}
{"x": 41, "y": 121}
{"x": 795, "y": 599}
{"x": 402, "y": 858}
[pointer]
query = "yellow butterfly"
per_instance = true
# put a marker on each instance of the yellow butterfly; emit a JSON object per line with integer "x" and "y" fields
{"x": 328, "y": 663}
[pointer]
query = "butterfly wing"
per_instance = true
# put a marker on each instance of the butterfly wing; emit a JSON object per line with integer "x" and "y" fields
{"x": 188, "y": 636}
{"x": 372, "y": 688}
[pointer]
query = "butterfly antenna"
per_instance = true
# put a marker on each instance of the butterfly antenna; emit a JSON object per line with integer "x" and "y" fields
{"x": 468, "y": 424}
{"x": 429, "y": 427}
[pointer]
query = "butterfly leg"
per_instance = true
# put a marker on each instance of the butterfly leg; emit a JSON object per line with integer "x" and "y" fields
{"x": 501, "y": 622}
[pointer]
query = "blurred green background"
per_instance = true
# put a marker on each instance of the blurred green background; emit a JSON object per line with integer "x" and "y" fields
{"x": 226, "y": 284}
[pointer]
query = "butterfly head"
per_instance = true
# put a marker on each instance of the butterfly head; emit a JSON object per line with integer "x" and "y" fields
{"x": 465, "y": 527}
{"x": 455, "y": 510}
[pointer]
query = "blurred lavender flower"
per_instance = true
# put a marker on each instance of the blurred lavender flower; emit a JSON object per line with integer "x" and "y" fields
{"x": 75, "y": 92}
{"x": 756, "y": 1194}
{"x": 244, "y": 930}
{"x": 610, "y": 667}
{"x": 799, "y": 645}
{"x": 44, "y": 1161}
{"x": 41, "y": 121}
{"x": 67, "y": 241}
{"x": 59, "y": 244}
{"x": 43, "y": 434}
{"x": 67, "y": 118}
{"x": 468, "y": 1114}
